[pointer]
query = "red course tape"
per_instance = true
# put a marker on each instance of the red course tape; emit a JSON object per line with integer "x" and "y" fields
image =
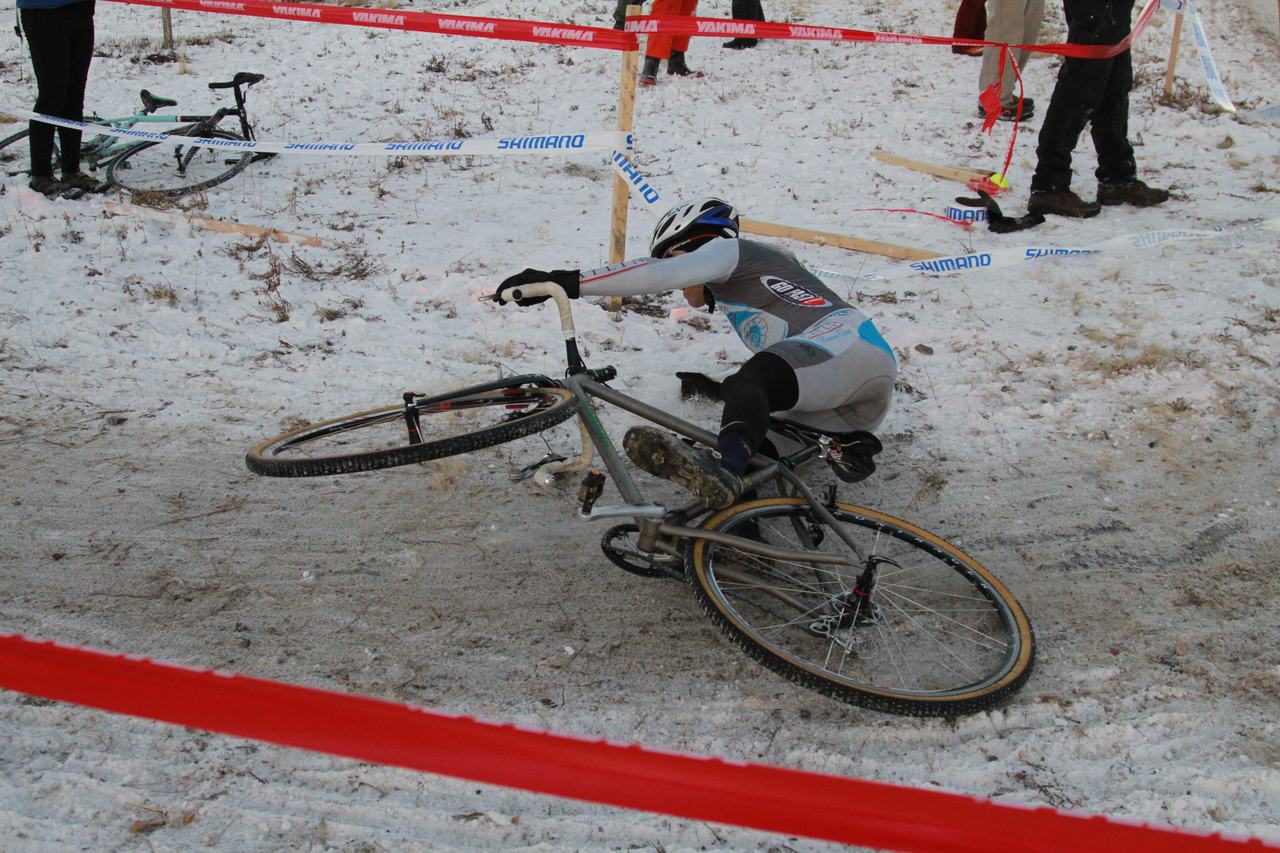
{"x": 721, "y": 27}
{"x": 757, "y": 796}
{"x": 397, "y": 19}
{"x": 564, "y": 34}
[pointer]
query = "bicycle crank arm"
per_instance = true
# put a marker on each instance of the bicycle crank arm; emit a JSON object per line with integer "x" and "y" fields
{"x": 645, "y": 510}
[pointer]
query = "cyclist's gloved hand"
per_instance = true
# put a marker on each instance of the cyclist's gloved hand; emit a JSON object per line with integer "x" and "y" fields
{"x": 568, "y": 279}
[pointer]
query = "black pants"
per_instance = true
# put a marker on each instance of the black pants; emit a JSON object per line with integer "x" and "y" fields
{"x": 61, "y": 42}
{"x": 1092, "y": 91}
{"x": 748, "y": 10}
{"x": 764, "y": 384}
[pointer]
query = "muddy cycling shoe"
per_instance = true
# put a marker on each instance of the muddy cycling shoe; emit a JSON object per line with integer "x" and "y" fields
{"x": 665, "y": 455}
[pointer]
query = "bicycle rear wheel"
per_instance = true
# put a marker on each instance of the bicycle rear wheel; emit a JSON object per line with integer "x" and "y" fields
{"x": 937, "y": 634}
{"x": 172, "y": 169}
{"x": 460, "y": 422}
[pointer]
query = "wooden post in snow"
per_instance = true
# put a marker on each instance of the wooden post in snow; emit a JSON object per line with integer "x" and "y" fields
{"x": 626, "y": 113}
{"x": 166, "y": 29}
{"x": 827, "y": 238}
{"x": 1173, "y": 57}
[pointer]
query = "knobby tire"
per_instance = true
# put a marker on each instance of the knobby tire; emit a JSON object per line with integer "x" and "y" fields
{"x": 744, "y": 595}
{"x": 554, "y": 406}
{"x": 151, "y": 167}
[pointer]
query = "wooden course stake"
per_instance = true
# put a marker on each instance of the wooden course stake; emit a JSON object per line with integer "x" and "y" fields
{"x": 827, "y": 238}
{"x": 213, "y": 224}
{"x": 621, "y": 191}
{"x": 1173, "y": 57}
{"x": 955, "y": 173}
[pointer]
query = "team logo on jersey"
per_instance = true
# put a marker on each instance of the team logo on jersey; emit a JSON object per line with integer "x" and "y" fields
{"x": 793, "y": 293}
{"x": 755, "y": 333}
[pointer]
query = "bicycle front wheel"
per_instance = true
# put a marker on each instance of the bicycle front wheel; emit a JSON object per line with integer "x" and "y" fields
{"x": 461, "y": 422}
{"x": 172, "y": 169}
{"x": 915, "y": 627}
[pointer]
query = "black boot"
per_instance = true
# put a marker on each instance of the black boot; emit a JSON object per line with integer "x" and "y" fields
{"x": 675, "y": 65}
{"x": 1132, "y": 191}
{"x": 739, "y": 44}
{"x": 649, "y": 74}
{"x": 1062, "y": 203}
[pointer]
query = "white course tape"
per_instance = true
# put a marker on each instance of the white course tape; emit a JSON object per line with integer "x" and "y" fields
{"x": 630, "y": 174}
{"x": 1269, "y": 114}
{"x": 982, "y": 261}
{"x": 966, "y": 214}
{"x": 1216, "y": 88}
{"x": 552, "y": 143}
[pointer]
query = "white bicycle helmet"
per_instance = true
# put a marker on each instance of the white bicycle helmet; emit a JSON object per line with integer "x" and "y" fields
{"x": 710, "y": 217}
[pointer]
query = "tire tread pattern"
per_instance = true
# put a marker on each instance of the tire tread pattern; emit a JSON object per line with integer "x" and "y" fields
{"x": 236, "y": 168}
{"x": 873, "y": 700}
{"x": 269, "y": 466}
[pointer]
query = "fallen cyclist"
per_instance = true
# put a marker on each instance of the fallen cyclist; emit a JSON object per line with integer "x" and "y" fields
{"x": 817, "y": 360}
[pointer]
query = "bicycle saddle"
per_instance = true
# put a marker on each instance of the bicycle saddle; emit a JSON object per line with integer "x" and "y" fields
{"x": 150, "y": 103}
{"x": 242, "y": 78}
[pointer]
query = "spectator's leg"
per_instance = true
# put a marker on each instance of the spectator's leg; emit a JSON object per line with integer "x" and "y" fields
{"x": 50, "y": 58}
{"x": 80, "y": 32}
{"x": 1110, "y": 128}
{"x": 687, "y": 9}
{"x": 971, "y": 23}
{"x": 745, "y": 10}
{"x": 1076, "y": 95}
{"x": 1032, "y": 18}
{"x": 1004, "y": 24}
{"x": 658, "y": 45}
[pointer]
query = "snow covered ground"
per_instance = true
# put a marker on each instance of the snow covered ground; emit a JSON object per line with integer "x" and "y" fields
{"x": 1100, "y": 430}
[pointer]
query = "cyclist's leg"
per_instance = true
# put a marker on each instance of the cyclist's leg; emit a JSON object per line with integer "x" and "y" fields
{"x": 766, "y": 383}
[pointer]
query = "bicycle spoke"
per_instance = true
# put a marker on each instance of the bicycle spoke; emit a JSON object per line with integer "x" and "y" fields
{"x": 932, "y": 632}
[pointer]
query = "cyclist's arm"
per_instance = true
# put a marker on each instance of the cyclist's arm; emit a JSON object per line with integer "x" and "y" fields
{"x": 713, "y": 263}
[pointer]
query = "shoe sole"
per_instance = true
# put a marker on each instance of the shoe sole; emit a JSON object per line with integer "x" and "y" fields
{"x": 1118, "y": 202}
{"x": 1044, "y": 211}
{"x": 671, "y": 459}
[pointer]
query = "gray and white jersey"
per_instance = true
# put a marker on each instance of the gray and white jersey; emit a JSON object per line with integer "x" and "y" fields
{"x": 771, "y": 300}
{"x": 844, "y": 368}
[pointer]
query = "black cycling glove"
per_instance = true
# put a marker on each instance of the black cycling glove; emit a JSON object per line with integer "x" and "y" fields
{"x": 568, "y": 279}
{"x": 996, "y": 220}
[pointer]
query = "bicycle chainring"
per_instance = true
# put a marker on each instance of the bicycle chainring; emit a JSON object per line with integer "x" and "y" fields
{"x": 619, "y": 545}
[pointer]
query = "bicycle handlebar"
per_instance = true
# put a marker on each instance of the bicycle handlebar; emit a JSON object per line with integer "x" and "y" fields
{"x": 545, "y": 288}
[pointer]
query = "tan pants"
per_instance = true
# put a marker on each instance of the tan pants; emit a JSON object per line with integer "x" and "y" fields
{"x": 1013, "y": 22}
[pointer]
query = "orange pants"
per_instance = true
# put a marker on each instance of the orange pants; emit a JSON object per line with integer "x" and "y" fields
{"x": 661, "y": 45}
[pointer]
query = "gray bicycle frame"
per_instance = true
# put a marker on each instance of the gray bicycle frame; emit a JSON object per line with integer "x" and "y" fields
{"x": 648, "y": 516}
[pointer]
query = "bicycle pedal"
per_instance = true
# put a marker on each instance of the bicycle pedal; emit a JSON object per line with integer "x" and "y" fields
{"x": 519, "y": 475}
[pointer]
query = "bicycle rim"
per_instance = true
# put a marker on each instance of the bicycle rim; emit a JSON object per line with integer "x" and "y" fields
{"x": 939, "y": 636}
{"x": 11, "y": 151}
{"x": 169, "y": 169}
{"x": 382, "y": 438}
